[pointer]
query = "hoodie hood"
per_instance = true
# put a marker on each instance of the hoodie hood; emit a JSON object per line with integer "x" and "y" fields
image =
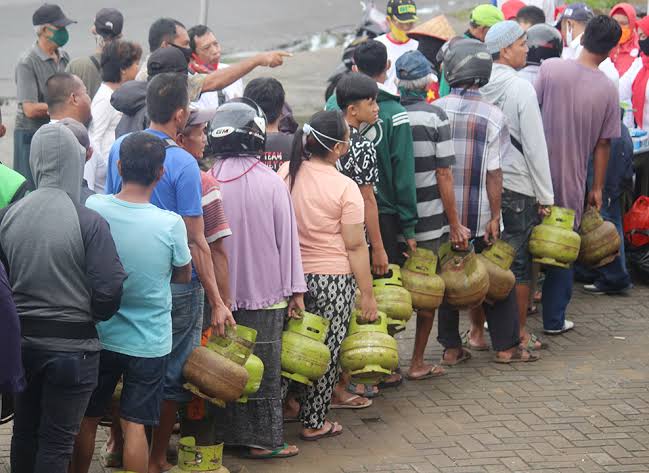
{"x": 501, "y": 79}
{"x": 384, "y": 94}
{"x": 57, "y": 159}
{"x": 130, "y": 98}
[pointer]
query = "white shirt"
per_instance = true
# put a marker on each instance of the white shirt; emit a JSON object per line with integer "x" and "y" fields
{"x": 102, "y": 136}
{"x": 211, "y": 99}
{"x": 573, "y": 50}
{"x": 626, "y": 83}
{"x": 395, "y": 51}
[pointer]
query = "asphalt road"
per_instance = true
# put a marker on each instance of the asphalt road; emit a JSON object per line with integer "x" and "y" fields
{"x": 240, "y": 25}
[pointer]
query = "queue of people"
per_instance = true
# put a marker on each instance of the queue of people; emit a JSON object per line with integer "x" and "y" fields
{"x": 119, "y": 253}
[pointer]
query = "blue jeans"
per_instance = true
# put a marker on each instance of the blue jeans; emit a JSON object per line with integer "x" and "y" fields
{"x": 49, "y": 411}
{"x": 557, "y": 291}
{"x": 613, "y": 276}
{"x": 186, "y": 325}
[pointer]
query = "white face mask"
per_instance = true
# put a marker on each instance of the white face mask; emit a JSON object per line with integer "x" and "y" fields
{"x": 569, "y": 37}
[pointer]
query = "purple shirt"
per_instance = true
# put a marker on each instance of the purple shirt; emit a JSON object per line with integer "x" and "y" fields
{"x": 579, "y": 106}
{"x": 264, "y": 249}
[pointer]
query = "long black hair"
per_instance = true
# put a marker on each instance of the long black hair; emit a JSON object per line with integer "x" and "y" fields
{"x": 330, "y": 128}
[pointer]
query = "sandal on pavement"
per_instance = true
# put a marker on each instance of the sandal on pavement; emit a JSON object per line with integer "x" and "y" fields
{"x": 466, "y": 343}
{"x": 531, "y": 343}
{"x": 277, "y": 453}
{"x": 433, "y": 372}
{"x": 464, "y": 356}
{"x": 517, "y": 357}
{"x": 332, "y": 432}
{"x": 369, "y": 392}
{"x": 349, "y": 403}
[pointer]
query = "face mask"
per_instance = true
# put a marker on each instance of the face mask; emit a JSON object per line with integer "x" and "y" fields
{"x": 397, "y": 34}
{"x": 626, "y": 35}
{"x": 644, "y": 46}
{"x": 59, "y": 37}
{"x": 569, "y": 37}
{"x": 186, "y": 51}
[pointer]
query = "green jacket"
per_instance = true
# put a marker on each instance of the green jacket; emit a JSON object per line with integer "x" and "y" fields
{"x": 13, "y": 186}
{"x": 392, "y": 140}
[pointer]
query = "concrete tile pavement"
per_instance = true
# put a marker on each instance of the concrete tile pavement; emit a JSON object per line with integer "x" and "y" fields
{"x": 583, "y": 408}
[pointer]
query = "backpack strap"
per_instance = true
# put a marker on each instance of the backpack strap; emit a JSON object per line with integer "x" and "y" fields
{"x": 169, "y": 143}
{"x": 96, "y": 63}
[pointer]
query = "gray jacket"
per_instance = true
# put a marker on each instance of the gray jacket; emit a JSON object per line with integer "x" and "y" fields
{"x": 527, "y": 173}
{"x": 62, "y": 262}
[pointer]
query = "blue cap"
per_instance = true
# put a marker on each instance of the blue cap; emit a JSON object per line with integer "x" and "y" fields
{"x": 579, "y": 12}
{"x": 413, "y": 65}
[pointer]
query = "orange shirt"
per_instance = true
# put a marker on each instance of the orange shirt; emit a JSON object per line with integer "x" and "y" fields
{"x": 324, "y": 200}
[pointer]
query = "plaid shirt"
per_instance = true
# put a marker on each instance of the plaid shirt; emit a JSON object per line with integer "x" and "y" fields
{"x": 481, "y": 139}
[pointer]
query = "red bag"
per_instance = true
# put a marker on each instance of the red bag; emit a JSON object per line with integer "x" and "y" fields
{"x": 636, "y": 223}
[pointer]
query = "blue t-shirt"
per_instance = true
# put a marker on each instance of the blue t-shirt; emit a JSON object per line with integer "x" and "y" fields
{"x": 149, "y": 243}
{"x": 179, "y": 190}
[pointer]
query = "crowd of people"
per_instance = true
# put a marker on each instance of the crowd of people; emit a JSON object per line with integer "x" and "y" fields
{"x": 157, "y": 199}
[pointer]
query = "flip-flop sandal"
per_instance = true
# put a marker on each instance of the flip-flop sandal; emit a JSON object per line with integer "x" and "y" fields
{"x": 517, "y": 357}
{"x": 531, "y": 343}
{"x": 369, "y": 392}
{"x": 464, "y": 356}
{"x": 346, "y": 404}
{"x": 431, "y": 374}
{"x": 332, "y": 432}
{"x": 277, "y": 453}
{"x": 391, "y": 384}
{"x": 466, "y": 343}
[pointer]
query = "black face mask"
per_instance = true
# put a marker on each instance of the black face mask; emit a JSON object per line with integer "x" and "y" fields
{"x": 644, "y": 46}
{"x": 187, "y": 52}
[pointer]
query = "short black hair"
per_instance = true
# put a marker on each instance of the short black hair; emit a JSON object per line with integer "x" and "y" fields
{"x": 371, "y": 57}
{"x": 141, "y": 156}
{"x": 163, "y": 29}
{"x": 196, "y": 31}
{"x": 117, "y": 56}
{"x": 59, "y": 87}
{"x": 166, "y": 93}
{"x": 531, "y": 14}
{"x": 269, "y": 94}
{"x": 355, "y": 86}
{"x": 601, "y": 35}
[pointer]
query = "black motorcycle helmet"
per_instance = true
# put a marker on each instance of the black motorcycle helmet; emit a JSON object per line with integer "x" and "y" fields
{"x": 239, "y": 127}
{"x": 466, "y": 61}
{"x": 544, "y": 42}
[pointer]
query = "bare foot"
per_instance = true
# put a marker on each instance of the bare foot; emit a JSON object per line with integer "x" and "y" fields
{"x": 477, "y": 338}
{"x": 291, "y": 408}
{"x": 159, "y": 468}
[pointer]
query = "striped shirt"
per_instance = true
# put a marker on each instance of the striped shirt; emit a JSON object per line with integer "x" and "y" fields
{"x": 480, "y": 139}
{"x": 216, "y": 225}
{"x": 433, "y": 149}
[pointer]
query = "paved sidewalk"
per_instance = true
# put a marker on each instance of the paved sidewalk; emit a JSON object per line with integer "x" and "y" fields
{"x": 583, "y": 408}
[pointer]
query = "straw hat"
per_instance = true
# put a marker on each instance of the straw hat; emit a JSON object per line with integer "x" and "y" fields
{"x": 437, "y": 27}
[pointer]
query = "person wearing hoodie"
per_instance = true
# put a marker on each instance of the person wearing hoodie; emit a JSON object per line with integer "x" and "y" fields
{"x": 61, "y": 289}
{"x": 628, "y": 49}
{"x": 633, "y": 85}
{"x": 130, "y": 98}
{"x": 527, "y": 183}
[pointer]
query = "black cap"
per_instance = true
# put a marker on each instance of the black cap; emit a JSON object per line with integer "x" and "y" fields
{"x": 166, "y": 60}
{"x": 404, "y": 11}
{"x": 109, "y": 22}
{"x": 51, "y": 14}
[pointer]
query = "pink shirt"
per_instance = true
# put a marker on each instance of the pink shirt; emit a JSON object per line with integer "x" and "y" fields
{"x": 324, "y": 201}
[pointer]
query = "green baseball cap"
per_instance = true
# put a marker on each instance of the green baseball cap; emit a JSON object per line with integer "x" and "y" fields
{"x": 487, "y": 15}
